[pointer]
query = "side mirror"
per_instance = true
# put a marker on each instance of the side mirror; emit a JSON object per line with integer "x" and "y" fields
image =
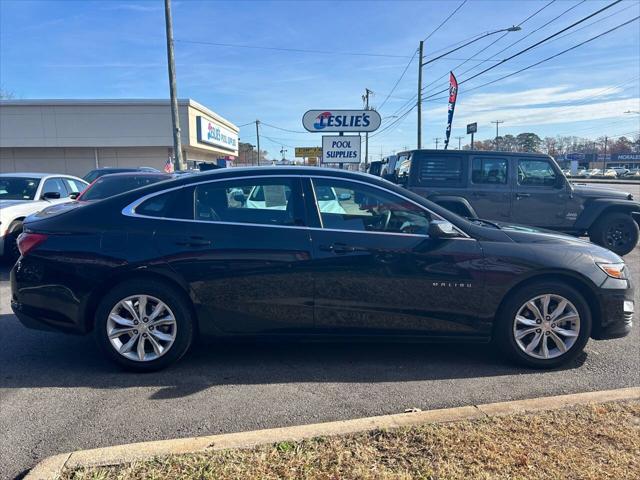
{"x": 344, "y": 196}
{"x": 74, "y": 195}
{"x": 51, "y": 195}
{"x": 442, "y": 229}
{"x": 239, "y": 197}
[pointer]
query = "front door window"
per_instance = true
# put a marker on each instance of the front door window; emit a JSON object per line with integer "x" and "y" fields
{"x": 345, "y": 205}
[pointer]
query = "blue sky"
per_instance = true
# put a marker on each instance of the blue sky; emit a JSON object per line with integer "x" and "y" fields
{"x": 116, "y": 49}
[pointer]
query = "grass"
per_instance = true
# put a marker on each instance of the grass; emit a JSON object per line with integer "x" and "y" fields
{"x": 600, "y": 441}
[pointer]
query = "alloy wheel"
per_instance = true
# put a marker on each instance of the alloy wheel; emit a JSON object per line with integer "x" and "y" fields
{"x": 546, "y": 326}
{"x": 618, "y": 235}
{"x": 141, "y": 328}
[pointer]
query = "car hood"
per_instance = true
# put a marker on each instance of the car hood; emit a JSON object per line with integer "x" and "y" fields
{"x": 543, "y": 238}
{"x": 10, "y": 203}
{"x": 597, "y": 191}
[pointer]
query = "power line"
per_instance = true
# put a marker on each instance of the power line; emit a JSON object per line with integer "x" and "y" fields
{"x": 533, "y": 46}
{"x": 548, "y": 58}
{"x": 528, "y": 34}
{"x": 283, "y": 129}
{"x": 398, "y": 81}
{"x": 415, "y": 51}
{"x": 294, "y": 50}
{"x": 445, "y": 20}
{"x": 491, "y": 44}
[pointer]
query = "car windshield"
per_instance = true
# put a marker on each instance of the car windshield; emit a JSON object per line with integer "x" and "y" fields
{"x": 105, "y": 187}
{"x": 18, "y": 188}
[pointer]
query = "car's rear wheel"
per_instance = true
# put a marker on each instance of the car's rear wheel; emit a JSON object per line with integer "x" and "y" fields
{"x": 11, "y": 251}
{"x": 144, "y": 325}
{"x": 616, "y": 231}
{"x": 544, "y": 325}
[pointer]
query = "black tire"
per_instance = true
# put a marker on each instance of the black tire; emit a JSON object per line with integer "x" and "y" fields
{"x": 11, "y": 252}
{"x": 184, "y": 323}
{"x": 504, "y": 334}
{"x": 616, "y": 231}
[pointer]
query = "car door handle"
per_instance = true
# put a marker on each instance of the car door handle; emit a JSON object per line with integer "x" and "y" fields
{"x": 522, "y": 195}
{"x": 337, "y": 248}
{"x": 193, "y": 242}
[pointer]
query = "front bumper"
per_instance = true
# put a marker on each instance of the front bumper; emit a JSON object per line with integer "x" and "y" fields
{"x": 616, "y": 314}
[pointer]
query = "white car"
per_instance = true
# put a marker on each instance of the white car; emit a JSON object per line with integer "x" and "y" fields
{"x": 328, "y": 199}
{"x": 22, "y": 194}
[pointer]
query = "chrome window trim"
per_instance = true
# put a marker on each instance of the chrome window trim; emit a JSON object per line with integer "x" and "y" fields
{"x": 129, "y": 210}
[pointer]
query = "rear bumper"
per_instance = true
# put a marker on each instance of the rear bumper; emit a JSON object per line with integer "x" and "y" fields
{"x": 42, "y": 304}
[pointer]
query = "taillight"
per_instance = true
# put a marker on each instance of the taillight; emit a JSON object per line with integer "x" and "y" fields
{"x": 29, "y": 241}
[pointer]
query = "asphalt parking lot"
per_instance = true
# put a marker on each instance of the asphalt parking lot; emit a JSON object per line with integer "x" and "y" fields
{"x": 58, "y": 394}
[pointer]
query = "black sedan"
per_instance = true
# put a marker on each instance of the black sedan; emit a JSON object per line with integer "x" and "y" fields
{"x": 308, "y": 253}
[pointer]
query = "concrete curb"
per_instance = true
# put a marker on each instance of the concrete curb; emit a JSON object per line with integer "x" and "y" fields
{"x": 51, "y": 468}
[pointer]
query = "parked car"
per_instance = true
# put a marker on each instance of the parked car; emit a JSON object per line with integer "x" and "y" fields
{"x": 611, "y": 173}
{"x": 148, "y": 270}
{"x": 22, "y": 194}
{"x": 98, "y": 172}
{"x": 374, "y": 168}
{"x": 116, "y": 183}
{"x": 389, "y": 167}
{"x": 594, "y": 172}
{"x": 620, "y": 171}
{"x": 522, "y": 188}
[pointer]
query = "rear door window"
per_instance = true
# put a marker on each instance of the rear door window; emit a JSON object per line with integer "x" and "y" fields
{"x": 444, "y": 170}
{"x": 264, "y": 201}
{"x": 488, "y": 170}
{"x": 176, "y": 204}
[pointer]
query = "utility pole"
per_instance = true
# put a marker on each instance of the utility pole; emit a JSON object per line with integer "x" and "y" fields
{"x": 421, "y": 64}
{"x": 420, "y": 58}
{"x": 283, "y": 151}
{"x": 459, "y": 140}
{"x": 604, "y": 158}
{"x": 497, "y": 122}
{"x": 436, "y": 140}
{"x": 258, "y": 140}
{"x": 365, "y": 98}
{"x": 178, "y": 164}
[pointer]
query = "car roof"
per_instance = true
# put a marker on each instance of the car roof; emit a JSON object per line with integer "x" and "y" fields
{"x": 475, "y": 152}
{"x": 136, "y": 173}
{"x": 35, "y": 175}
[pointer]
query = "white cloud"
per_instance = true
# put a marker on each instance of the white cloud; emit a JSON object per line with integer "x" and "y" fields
{"x": 536, "y": 96}
{"x": 553, "y": 114}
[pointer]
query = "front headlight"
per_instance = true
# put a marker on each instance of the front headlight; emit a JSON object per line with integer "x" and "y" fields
{"x": 614, "y": 270}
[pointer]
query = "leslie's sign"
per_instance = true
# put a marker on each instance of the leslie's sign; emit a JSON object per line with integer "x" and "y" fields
{"x": 214, "y": 134}
{"x": 341, "y": 120}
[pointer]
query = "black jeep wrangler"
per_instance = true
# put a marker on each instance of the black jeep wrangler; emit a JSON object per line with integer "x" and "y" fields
{"x": 524, "y": 188}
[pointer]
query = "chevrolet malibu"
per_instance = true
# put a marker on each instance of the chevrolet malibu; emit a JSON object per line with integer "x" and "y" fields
{"x": 149, "y": 270}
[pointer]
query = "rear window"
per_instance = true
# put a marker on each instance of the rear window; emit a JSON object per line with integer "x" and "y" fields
{"x": 436, "y": 170}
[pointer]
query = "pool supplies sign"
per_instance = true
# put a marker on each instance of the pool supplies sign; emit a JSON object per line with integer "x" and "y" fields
{"x": 341, "y": 149}
{"x": 341, "y": 121}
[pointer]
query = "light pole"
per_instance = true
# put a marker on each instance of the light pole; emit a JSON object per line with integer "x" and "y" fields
{"x": 422, "y": 63}
{"x": 497, "y": 122}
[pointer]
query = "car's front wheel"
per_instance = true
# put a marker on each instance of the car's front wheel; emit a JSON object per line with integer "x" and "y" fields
{"x": 143, "y": 325}
{"x": 544, "y": 325}
{"x": 616, "y": 231}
